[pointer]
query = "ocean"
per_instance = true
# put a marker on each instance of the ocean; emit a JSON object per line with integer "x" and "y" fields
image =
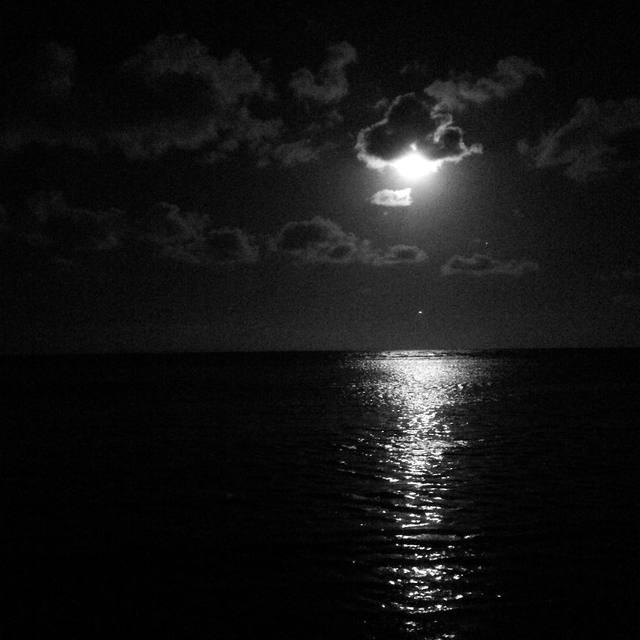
{"x": 421, "y": 494}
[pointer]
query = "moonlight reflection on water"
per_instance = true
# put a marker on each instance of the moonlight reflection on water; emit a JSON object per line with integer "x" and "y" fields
{"x": 416, "y": 448}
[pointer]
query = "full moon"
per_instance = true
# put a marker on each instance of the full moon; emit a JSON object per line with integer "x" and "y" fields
{"x": 414, "y": 165}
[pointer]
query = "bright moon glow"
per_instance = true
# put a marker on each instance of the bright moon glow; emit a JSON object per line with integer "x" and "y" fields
{"x": 414, "y": 165}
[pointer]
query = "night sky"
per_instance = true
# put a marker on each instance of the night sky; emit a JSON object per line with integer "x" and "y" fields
{"x": 228, "y": 176}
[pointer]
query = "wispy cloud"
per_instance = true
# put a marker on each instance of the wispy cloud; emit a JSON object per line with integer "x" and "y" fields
{"x": 330, "y": 84}
{"x": 460, "y": 90}
{"x": 189, "y": 236}
{"x": 600, "y": 137}
{"x": 481, "y": 265}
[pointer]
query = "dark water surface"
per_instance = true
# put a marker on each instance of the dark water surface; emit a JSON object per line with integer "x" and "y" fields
{"x": 355, "y": 495}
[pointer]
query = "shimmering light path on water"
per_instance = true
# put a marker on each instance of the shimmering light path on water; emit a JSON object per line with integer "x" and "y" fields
{"x": 415, "y": 451}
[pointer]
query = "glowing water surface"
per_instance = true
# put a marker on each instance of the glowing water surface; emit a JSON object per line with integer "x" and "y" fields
{"x": 416, "y": 451}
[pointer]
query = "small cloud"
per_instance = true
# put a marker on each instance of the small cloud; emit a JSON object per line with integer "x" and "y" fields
{"x": 321, "y": 240}
{"x": 330, "y": 84}
{"x": 254, "y": 135}
{"x": 598, "y": 138}
{"x": 460, "y": 90}
{"x": 188, "y": 236}
{"x": 412, "y": 124}
{"x": 482, "y": 265}
{"x": 228, "y": 244}
{"x": 391, "y": 198}
{"x": 297, "y": 152}
{"x": 49, "y": 222}
{"x": 402, "y": 254}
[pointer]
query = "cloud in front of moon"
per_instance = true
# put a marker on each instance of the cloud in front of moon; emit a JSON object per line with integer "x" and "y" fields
{"x": 410, "y": 129}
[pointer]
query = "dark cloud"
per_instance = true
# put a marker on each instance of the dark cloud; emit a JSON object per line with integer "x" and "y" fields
{"x": 65, "y": 232}
{"x": 50, "y": 223}
{"x": 188, "y": 236}
{"x": 326, "y": 120}
{"x": 598, "y": 138}
{"x": 174, "y": 94}
{"x": 257, "y": 137}
{"x": 330, "y": 84}
{"x": 482, "y": 265}
{"x": 229, "y": 244}
{"x": 171, "y": 95}
{"x": 391, "y": 198}
{"x": 402, "y": 254}
{"x": 298, "y": 152}
{"x": 461, "y": 89}
{"x": 178, "y": 67}
{"x": 412, "y": 123}
{"x": 322, "y": 240}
